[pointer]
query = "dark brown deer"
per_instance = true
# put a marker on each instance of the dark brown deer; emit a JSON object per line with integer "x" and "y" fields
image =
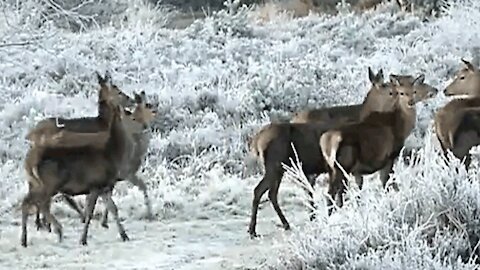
{"x": 272, "y": 146}
{"x": 137, "y": 125}
{"x": 76, "y": 132}
{"x": 457, "y": 124}
{"x": 370, "y": 145}
{"x": 374, "y": 101}
{"x": 46, "y": 132}
{"x": 81, "y": 170}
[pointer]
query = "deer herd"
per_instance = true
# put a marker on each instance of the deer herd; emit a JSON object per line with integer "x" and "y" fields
{"x": 89, "y": 155}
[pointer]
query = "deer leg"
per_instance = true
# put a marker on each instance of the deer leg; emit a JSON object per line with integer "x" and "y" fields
{"x": 41, "y": 222}
{"x": 104, "y": 222}
{"x": 335, "y": 182}
{"x": 258, "y": 192}
{"x": 311, "y": 180}
{"x": 38, "y": 222}
{"x": 137, "y": 181}
{"x": 341, "y": 190}
{"x": 273, "y": 196}
{"x": 468, "y": 160}
{"x": 46, "y": 222}
{"x": 105, "y": 218}
{"x": 107, "y": 197}
{"x": 73, "y": 204}
{"x": 91, "y": 201}
{"x": 52, "y": 220}
{"x": 359, "y": 180}
{"x": 385, "y": 175}
{"x": 26, "y": 204}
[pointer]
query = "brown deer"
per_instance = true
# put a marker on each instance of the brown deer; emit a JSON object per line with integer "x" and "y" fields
{"x": 76, "y": 132}
{"x": 81, "y": 170}
{"x": 85, "y": 131}
{"x": 374, "y": 101}
{"x": 370, "y": 145}
{"x": 457, "y": 124}
{"x": 46, "y": 132}
{"x": 272, "y": 147}
{"x": 137, "y": 124}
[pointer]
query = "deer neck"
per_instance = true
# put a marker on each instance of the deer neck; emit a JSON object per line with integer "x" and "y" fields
{"x": 118, "y": 143}
{"x": 372, "y": 104}
{"x": 405, "y": 119}
{"x": 105, "y": 112}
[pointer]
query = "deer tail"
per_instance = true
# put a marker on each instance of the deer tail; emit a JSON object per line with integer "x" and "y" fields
{"x": 329, "y": 144}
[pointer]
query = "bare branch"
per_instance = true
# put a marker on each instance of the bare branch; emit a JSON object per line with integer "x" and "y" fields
{"x": 13, "y": 44}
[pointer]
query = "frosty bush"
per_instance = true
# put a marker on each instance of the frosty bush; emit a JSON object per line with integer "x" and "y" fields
{"x": 431, "y": 223}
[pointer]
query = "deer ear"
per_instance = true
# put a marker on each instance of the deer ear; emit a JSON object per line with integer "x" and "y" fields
{"x": 380, "y": 75}
{"x": 419, "y": 80}
{"x": 394, "y": 80}
{"x": 100, "y": 79}
{"x": 143, "y": 95}
{"x": 468, "y": 64}
{"x": 108, "y": 77}
{"x": 138, "y": 98}
{"x": 371, "y": 76}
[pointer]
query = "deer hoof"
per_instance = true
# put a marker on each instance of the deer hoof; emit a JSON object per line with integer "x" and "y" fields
{"x": 60, "y": 235}
{"x": 24, "y": 241}
{"x": 83, "y": 241}
{"x": 124, "y": 237}
{"x": 252, "y": 234}
{"x": 286, "y": 227}
{"x": 149, "y": 217}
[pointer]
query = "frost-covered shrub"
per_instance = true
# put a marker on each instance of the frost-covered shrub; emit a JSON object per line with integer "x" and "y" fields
{"x": 433, "y": 221}
{"x": 232, "y": 21}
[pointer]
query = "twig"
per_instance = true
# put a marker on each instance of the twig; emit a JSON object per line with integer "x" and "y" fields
{"x": 16, "y": 44}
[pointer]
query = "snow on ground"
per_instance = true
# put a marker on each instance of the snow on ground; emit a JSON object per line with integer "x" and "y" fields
{"x": 214, "y": 83}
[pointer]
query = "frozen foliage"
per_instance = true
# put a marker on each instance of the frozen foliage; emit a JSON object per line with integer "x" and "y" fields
{"x": 216, "y": 82}
{"x": 429, "y": 224}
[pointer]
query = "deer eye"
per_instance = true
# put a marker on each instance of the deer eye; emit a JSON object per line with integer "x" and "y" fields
{"x": 401, "y": 94}
{"x": 462, "y": 77}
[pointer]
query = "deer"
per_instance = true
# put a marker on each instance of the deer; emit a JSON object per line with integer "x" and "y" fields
{"x": 76, "y": 132}
{"x": 46, "y": 132}
{"x": 271, "y": 146}
{"x": 137, "y": 124}
{"x": 372, "y": 144}
{"x": 457, "y": 124}
{"x": 375, "y": 99}
{"x": 83, "y": 170}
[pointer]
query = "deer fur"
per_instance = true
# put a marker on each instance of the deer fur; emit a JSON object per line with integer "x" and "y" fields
{"x": 374, "y": 101}
{"x": 457, "y": 124}
{"x": 54, "y": 131}
{"x": 82, "y": 170}
{"x": 372, "y": 144}
{"x": 137, "y": 125}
